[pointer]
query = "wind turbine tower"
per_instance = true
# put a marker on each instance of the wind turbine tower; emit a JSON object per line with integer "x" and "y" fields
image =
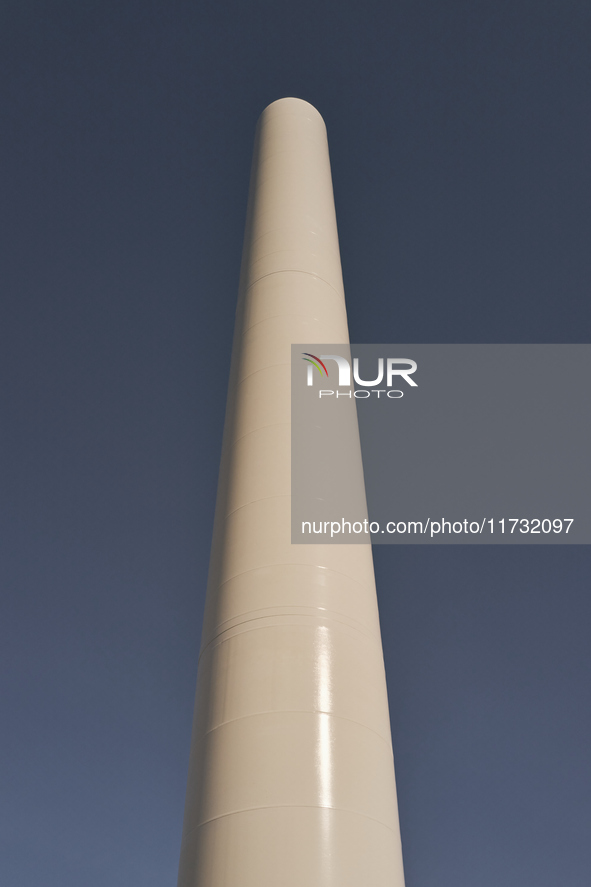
{"x": 291, "y": 776}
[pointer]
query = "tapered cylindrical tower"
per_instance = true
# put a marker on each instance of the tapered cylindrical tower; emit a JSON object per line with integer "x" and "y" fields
{"x": 291, "y": 776}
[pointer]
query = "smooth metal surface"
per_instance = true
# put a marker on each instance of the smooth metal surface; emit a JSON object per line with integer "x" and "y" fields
{"x": 291, "y": 777}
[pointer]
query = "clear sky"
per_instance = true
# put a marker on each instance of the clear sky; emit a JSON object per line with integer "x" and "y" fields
{"x": 460, "y": 144}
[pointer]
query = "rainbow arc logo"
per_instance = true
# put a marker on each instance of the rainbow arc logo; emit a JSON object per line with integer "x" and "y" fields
{"x": 315, "y": 362}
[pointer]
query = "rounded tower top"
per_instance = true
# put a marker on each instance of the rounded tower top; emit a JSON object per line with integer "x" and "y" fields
{"x": 291, "y": 106}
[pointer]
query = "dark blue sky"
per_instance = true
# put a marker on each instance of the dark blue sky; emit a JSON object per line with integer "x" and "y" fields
{"x": 460, "y": 144}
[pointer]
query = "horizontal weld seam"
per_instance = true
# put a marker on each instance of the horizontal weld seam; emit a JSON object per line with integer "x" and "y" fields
{"x": 327, "y": 610}
{"x": 252, "y": 502}
{"x": 284, "y": 314}
{"x": 305, "y": 711}
{"x": 262, "y": 370}
{"x": 260, "y": 428}
{"x": 279, "y": 615}
{"x": 289, "y": 807}
{"x": 293, "y": 271}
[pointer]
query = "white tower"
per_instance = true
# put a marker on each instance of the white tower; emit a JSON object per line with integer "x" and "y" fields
{"x": 291, "y": 777}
